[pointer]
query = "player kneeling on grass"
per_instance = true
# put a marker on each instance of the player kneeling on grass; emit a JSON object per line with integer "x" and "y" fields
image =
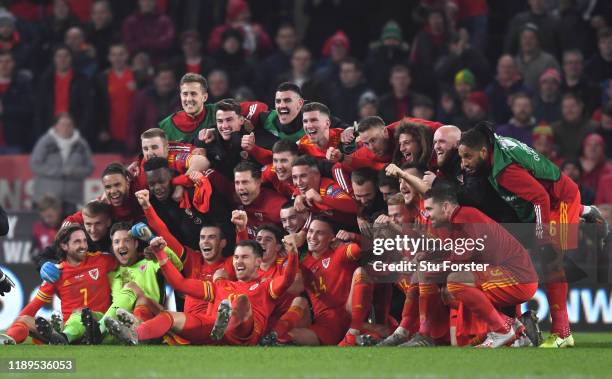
{"x": 508, "y": 277}
{"x": 83, "y": 283}
{"x": 239, "y": 310}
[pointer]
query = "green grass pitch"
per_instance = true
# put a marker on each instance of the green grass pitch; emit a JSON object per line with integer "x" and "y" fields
{"x": 592, "y": 358}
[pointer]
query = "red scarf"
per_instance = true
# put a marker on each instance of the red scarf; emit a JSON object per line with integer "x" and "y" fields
{"x": 186, "y": 123}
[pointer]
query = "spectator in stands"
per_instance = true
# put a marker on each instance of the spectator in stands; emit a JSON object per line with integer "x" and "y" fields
{"x": 102, "y": 31}
{"x": 54, "y": 27}
{"x": 593, "y": 161}
{"x": 574, "y": 80}
{"x": 531, "y": 60}
{"x": 388, "y": 51}
{"x": 279, "y": 61}
{"x": 64, "y": 90}
{"x": 599, "y": 67}
{"x": 116, "y": 90}
{"x": 16, "y": 101}
{"x": 573, "y": 127}
{"x": 218, "y": 86}
{"x": 148, "y": 30}
{"x": 352, "y": 86}
{"x": 300, "y": 74}
{"x": 547, "y": 102}
{"x": 51, "y": 214}
{"x": 465, "y": 83}
{"x": 507, "y": 82}
{"x": 152, "y": 104}
{"x": 474, "y": 110}
{"x": 605, "y": 129}
{"x": 143, "y": 69}
{"x": 60, "y": 161}
{"x": 335, "y": 49}
{"x": 192, "y": 59}
{"x": 547, "y": 24}
{"x": 232, "y": 58}
{"x": 462, "y": 56}
{"x": 16, "y": 41}
{"x": 572, "y": 169}
{"x": 544, "y": 143}
{"x": 431, "y": 42}
{"x": 521, "y": 125}
{"x": 423, "y": 108}
{"x": 255, "y": 40}
{"x": 368, "y": 105}
{"x": 83, "y": 54}
{"x": 395, "y": 105}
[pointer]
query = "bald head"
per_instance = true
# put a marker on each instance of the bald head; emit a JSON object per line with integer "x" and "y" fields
{"x": 506, "y": 67}
{"x": 446, "y": 139}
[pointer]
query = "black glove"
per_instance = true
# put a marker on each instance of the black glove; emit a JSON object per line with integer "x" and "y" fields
{"x": 5, "y": 283}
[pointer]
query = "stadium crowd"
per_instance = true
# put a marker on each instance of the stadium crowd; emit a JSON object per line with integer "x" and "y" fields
{"x": 265, "y": 170}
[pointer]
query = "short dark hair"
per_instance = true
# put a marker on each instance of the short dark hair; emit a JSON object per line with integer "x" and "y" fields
{"x": 572, "y": 95}
{"x": 475, "y": 139}
{"x": 156, "y": 163}
{"x": 573, "y": 162}
{"x": 314, "y": 106}
{"x": 97, "y": 208}
{"x": 370, "y": 122}
{"x": 215, "y": 225}
{"x": 400, "y": 68}
{"x": 442, "y": 190}
{"x": 386, "y": 180}
{"x": 278, "y": 232}
{"x": 228, "y": 105}
{"x": 154, "y": 132}
{"x": 191, "y": 77}
{"x": 115, "y": 168}
{"x": 307, "y": 160}
{"x": 354, "y": 61}
{"x": 63, "y": 236}
{"x": 285, "y": 145}
{"x": 257, "y": 250}
{"x": 604, "y": 33}
{"x": 364, "y": 174}
{"x": 248, "y": 166}
{"x": 121, "y": 225}
{"x": 288, "y": 204}
{"x": 519, "y": 95}
{"x": 288, "y": 86}
{"x": 319, "y": 217}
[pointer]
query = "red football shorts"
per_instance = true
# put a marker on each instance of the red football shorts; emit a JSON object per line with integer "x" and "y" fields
{"x": 331, "y": 325}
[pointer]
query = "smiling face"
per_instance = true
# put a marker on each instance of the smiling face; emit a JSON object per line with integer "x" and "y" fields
{"x": 305, "y": 177}
{"x": 319, "y": 237}
{"x": 116, "y": 188}
{"x": 282, "y": 163}
{"x": 154, "y": 147}
{"x": 211, "y": 243}
{"x": 410, "y": 194}
{"x": 316, "y": 127}
{"x": 76, "y": 247}
{"x": 125, "y": 247}
{"x": 446, "y": 139}
{"x": 292, "y": 220}
{"x": 437, "y": 212}
{"x": 288, "y": 105}
{"x": 228, "y": 122}
{"x": 246, "y": 263}
{"x": 96, "y": 226}
{"x": 193, "y": 97}
{"x": 247, "y": 187}
{"x": 409, "y": 147}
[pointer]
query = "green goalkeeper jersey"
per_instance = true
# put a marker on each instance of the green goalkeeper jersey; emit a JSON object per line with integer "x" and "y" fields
{"x": 145, "y": 273}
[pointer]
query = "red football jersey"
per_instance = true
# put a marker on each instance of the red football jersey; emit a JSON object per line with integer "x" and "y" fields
{"x": 195, "y": 267}
{"x": 327, "y": 279}
{"x": 268, "y": 175}
{"x": 84, "y": 285}
{"x": 309, "y": 148}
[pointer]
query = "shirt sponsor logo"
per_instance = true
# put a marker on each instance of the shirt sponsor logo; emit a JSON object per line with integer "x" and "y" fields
{"x": 251, "y": 288}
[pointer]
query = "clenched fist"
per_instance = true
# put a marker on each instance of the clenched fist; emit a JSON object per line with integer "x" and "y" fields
{"x": 240, "y": 219}
{"x": 143, "y": 198}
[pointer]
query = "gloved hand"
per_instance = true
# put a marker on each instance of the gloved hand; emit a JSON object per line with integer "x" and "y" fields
{"x": 142, "y": 232}
{"x": 50, "y": 272}
{"x": 5, "y": 283}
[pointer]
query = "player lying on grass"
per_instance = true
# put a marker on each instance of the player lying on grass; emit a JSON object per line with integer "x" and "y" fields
{"x": 83, "y": 283}
{"x": 242, "y": 307}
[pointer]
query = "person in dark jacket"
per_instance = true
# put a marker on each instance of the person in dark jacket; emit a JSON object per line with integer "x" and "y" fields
{"x": 15, "y": 105}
